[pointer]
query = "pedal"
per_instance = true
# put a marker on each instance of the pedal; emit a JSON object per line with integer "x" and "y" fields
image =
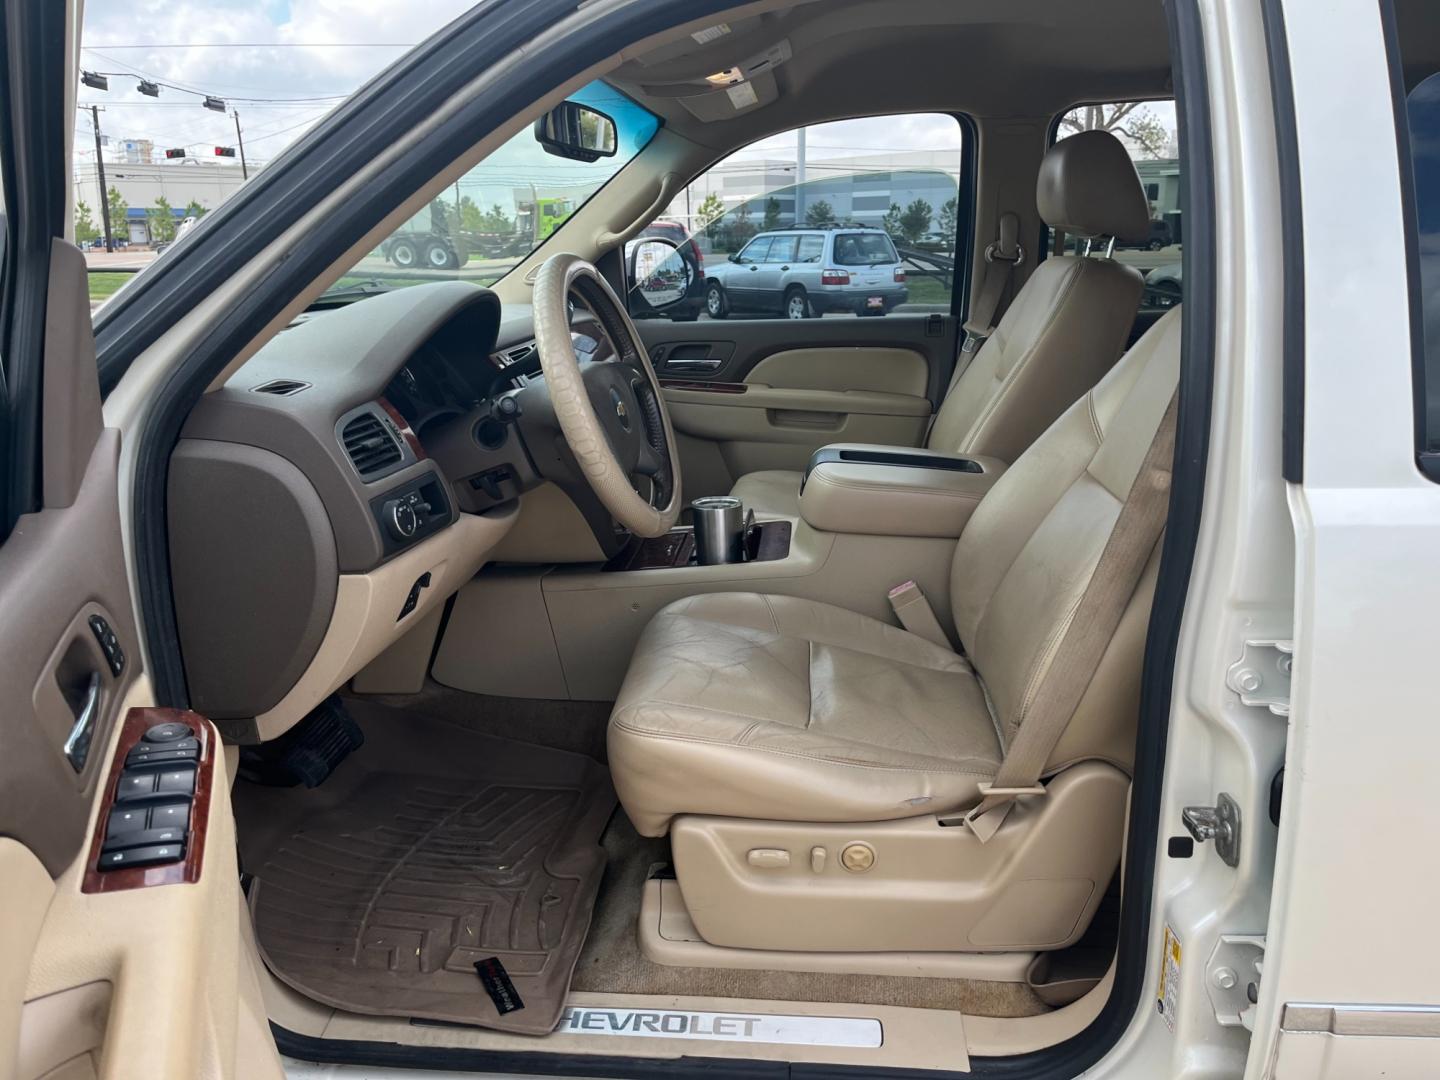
{"x": 306, "y": 754}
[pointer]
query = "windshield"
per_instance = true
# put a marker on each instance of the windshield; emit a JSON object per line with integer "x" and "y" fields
{"x": 863, "y": 249}
{"x": 487, "y": 222}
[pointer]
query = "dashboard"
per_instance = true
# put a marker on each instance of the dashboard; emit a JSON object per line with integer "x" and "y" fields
{"x": 349, "y": 477}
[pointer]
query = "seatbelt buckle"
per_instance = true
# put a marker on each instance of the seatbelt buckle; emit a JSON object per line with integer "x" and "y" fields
{"x": 985, "y": 817}
{"x": 916, "y": 615}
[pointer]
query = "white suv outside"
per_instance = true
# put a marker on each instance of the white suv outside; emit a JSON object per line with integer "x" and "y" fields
{"x": 806, "y": 272}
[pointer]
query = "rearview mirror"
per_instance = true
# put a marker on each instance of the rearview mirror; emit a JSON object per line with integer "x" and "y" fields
{"x": 575, "y": 131}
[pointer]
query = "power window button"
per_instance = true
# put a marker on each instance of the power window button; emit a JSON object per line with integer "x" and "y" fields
{"x": 170, "y": 816}
{"x": 135, "y": 786}
{"x": 177, "y": 782}
{"x": 125, "y": 821}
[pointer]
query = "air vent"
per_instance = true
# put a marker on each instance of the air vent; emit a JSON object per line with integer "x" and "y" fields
{"x": 508, "y": 357}
{"x": 281, "y": 387}
{"x": 371, "y": 446}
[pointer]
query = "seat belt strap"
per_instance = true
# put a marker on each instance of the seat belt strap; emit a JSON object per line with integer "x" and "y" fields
{"x": 1001, "y": 259}
{"x": 1112, "y": 584}
{"x": 916, "y": 615}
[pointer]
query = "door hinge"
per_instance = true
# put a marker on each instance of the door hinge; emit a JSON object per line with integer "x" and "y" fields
{"x": 1232, "y": 978}
{"x": 1220, "y": 823}
{"x": 1262, "y": 675}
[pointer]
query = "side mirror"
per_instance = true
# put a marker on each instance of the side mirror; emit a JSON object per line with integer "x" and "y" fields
{"x": 734, "y": 256}
{"x": 575, "y": 131}
{"x": 661, "y": 276}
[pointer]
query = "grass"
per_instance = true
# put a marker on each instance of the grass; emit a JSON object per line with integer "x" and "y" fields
{"x": 104, "y": 283}
{"x": 927, "y": 290}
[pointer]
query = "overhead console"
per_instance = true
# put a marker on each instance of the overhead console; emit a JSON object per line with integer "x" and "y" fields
{"x": 893, "y": 490}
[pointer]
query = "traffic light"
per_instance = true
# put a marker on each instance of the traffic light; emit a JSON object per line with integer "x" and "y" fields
{"x": 174, "y": 153}
{"x": 224, "y": 151}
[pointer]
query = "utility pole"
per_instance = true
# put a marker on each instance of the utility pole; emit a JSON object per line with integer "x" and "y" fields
{"x": 100, "y": 172}
{"x": 799, "y": 176}
{"x": 244, "y": 172}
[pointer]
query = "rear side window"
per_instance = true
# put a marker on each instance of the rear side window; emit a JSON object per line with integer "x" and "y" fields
{"x": 863, "y": 249}
{"x": 811, "y": 248}
{"x": 1422, "y": 107}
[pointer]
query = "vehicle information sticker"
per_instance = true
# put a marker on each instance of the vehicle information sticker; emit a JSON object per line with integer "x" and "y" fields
{"x": 1169, "y": 995}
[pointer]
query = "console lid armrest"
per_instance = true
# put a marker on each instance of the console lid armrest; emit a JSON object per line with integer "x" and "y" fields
{"x": 894, "y": 490}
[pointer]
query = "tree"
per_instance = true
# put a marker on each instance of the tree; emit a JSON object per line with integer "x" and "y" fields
{"x": 496, "y": 220}
{"x": 119, "y": 210}
{"x": 819, "y": 212}
{"x": 85, "y": 229}
{"x": 162, "y": 221}
{"x": 915, "y": 222}
{"x": 194, "y": 209}
{"x": 891, "y": 221}
{"x": 772, "y": 213}
{"x": 709, "y": 213}
{"x": 741, "y": 227}
{"x": 949, "y": 217}
{"x": 1146, "y": 132}
{"x": 470, "y": 216}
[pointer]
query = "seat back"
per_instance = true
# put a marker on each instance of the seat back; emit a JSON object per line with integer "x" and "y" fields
{"x": 1068, "y": 324}
{"x": 1028, "y": 551}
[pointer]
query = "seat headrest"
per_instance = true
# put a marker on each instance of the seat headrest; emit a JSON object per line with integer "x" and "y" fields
{"x": 1088, "y": 187}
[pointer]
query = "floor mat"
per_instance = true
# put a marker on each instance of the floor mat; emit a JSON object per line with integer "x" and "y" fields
{"x": 431, "y": 854}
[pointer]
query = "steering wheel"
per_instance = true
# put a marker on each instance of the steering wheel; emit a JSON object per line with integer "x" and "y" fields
{"x": 611, "y": 412}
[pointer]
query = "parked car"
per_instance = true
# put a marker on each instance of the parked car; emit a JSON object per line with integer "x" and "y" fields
{"x": 1163, "y": 287}
{"x": 1161, "y": 236}
{"x": 803, "y": 273}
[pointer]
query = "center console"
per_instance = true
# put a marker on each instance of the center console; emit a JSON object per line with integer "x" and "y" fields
{"x": 893, "y": 491}
{"x": 765, "y": 541}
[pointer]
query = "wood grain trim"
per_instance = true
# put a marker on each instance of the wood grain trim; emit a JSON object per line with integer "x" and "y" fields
{"x": 411, "y": 439}
{"x": 704, "y": 387}
{"x": 137, "y": 721}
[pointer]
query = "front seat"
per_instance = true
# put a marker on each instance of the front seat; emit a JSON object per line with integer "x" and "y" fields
{"x": 751, "y": 720}
{"x": 1061, "y": 333}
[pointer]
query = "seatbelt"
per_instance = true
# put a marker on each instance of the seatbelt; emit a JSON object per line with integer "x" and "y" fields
{"x": 1122, "y": 561}
{"x": 1001, "y": 259}
{"x": 916, "y": 615}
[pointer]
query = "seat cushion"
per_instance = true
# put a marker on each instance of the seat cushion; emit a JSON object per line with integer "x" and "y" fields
{"x": 770, "y": 492}
{"x": 774, "y": 707}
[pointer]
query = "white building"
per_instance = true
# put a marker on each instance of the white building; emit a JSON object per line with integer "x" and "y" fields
{"x": 180, "y": 183}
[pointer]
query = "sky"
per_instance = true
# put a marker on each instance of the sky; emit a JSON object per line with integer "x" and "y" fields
{"x": 301, "y": 56}
{"x": 283, "y": 64}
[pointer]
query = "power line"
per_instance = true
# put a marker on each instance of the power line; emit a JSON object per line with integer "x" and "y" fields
{"x": 262, "y": 45}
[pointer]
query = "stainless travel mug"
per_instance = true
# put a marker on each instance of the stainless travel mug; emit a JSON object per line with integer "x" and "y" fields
{"x": 719, "y": 529}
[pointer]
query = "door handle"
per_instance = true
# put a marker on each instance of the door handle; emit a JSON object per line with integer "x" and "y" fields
{"x": 753, "y": 269}
{"x": 77, "y": 743}
{"x": 784, "y": 268}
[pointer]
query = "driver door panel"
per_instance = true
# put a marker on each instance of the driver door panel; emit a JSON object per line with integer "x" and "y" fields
{"x": 745, "y": 395}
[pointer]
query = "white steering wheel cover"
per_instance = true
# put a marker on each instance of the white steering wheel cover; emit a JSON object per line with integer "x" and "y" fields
{"x": 573, "y": 410}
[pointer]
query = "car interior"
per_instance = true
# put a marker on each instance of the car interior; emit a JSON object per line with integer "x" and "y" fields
{"x": 512, "y": 770}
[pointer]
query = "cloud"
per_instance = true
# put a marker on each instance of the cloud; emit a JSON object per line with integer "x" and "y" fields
{"x": 237, "y": 49}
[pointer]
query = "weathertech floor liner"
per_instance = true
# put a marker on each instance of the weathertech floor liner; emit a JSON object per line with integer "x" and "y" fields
{"x": 431, "y": 850}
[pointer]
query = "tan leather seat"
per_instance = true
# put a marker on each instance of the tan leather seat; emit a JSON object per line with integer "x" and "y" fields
{"x": 754, "y": 706}
{"x": 1061, "y": 333}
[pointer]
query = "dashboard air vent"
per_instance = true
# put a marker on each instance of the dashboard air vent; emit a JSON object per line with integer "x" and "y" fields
{"x": 370, "y": 445}
{"x": 507, "y": 357}
{"x": 281, "y": 387}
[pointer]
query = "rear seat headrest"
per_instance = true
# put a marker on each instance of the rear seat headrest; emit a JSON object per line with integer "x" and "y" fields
{"x": 1088, "y": 187}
